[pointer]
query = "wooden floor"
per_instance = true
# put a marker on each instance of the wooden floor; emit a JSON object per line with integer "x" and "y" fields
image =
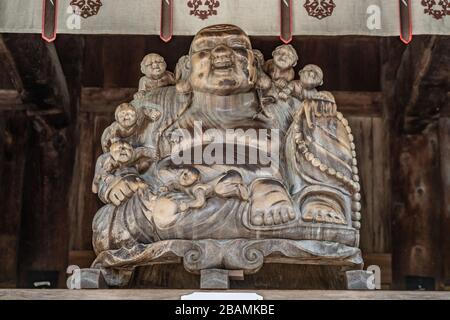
{"x": 163, "y": 294}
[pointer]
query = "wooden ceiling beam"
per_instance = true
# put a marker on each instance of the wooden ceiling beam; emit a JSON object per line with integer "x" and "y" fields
{"x": 36, "y": 71}
{"x": 10, "y": 66}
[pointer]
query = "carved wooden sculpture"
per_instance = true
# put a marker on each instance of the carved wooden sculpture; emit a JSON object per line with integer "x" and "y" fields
{"x": 301, "y": 208}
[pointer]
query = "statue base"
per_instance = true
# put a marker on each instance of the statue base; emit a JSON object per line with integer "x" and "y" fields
{"x": 246, "y": 256}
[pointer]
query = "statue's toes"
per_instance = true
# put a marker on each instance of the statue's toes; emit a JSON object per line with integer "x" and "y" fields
{"x": 285, "y": 214}
{"x": 276, "y": 216}
{"x": 291, "y": 214}
{"x": 268, "y": 219}
{"x": 258, "y": 218}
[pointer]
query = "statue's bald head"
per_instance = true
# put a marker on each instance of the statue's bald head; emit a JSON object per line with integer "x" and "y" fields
{"x": 222, "y": 61}
{"x": 220, "y": 32}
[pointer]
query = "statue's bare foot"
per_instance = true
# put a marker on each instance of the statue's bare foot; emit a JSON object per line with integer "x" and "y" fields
{"x": 321, "y": 213}
{"x": 271, "y": 204}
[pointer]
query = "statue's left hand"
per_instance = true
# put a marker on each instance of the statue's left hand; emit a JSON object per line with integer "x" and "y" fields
{"x": 124, "y": 190}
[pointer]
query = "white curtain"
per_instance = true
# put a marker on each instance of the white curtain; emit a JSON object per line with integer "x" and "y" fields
{"x": 256, "y": 17}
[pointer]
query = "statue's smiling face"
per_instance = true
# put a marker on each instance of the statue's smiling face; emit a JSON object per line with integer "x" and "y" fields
{"x": 222, "y": 61}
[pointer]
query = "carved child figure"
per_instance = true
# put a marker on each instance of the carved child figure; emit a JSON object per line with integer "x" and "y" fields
{"x": 281, "y": 67}
{"x": 153, "y": 66}
{"x": 305, "y": 89}
{"x": 121, "y": 159}
{"x": 126, "y": 124}
{"x": 311, "y": 77}
{"x": 226, "y": 186}
{"x": 188, "y": 182}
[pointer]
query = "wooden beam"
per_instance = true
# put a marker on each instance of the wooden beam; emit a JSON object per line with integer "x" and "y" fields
{"x": 14, "y": 128}
{"x": 100, "y": 100}
{"x": 174, "y": 294}
{"x": 445, "y": 111}
{"x": 423, "y": 81}
{"x": 415, "y": 85}
{"x": 36, "y": 71}
{"x": 10, "y": 67}
{"x": 53, "y": 86}
{"x": 351, "y": 103}
{"x": 359, "y": 103}
{"x": 9, "y": 97}
{"x": 444, "y": 139}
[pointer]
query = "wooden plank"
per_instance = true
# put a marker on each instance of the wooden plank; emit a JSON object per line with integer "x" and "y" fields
{"x": 415, "y": 82}
{"x": 167, "y": 294}
{"x": 93, "y": 61}
{"x": 444, "y": 142}
{"x": 110, "y": 62}
{"x": 362, "y": 131}
{"x": 359, "y": 103}
{"x": 45, "y": 227}
{"x": 5, "y": 81}
{"x": 81, "y": 258}
{"x": 9, "y": 97}
{"x": 416, "y": 233}
{"x": 10, "y": 100}
{"x": 85, "y": 203}
{"x": 70, "y": 49}
{"x": 359, "y": 64}
{"x": 83, "y": 172}
{"x": 99, "y": 100}
{"x": 381, "y": 220}
{"x": 92, "y": 202}
{"x": 13, "y": 146}
{"x": 39, "y": 68}
{"x": 10, "y": 66}
{"x": 422, "y": 82}
{"x": 351, "y": 103}
{"x": 445, "y": 111}
{"x": 122, "y": 56}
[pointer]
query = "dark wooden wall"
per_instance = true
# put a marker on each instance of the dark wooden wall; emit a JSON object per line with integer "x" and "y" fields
{"x": 49, "y": 145}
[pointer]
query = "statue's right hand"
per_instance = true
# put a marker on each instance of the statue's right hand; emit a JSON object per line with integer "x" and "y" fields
{"x": 124, "y": 190}
{"x": 139, "y": 95}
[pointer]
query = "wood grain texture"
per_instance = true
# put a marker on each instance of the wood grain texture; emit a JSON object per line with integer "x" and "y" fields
{"x": 444, "y": 141}
{"x": 165, "y": 294}
{"x": 328, "y": 52}
{"x": 417, "y": 222}
{"x": 13, "y": 145}
{"x": 108, "y": 58}
{"x": 415, "y": 85}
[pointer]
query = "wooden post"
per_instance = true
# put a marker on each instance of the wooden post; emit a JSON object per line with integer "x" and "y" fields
{"x": 414, "y": 84}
